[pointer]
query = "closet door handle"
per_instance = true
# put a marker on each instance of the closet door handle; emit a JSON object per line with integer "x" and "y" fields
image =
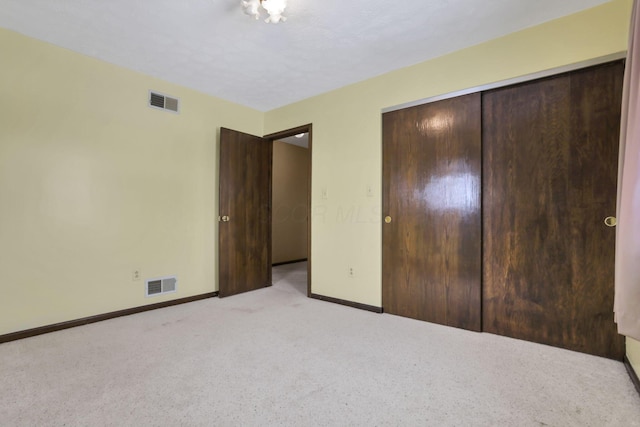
{"x": 610, "y": 221}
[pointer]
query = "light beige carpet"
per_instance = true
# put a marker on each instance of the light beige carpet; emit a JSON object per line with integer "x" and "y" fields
{"x": 274, "y": 357}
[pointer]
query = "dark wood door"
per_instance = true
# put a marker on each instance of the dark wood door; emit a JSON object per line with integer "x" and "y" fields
{"x": 550, "y": 168}
{"x": 431, "y": 192}
{"x": 244, "y": 231}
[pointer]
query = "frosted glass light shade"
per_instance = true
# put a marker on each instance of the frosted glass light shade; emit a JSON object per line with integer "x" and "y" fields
{"x": 275, "y": 9}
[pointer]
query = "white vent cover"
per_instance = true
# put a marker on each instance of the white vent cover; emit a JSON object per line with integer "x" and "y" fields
{"x": 160, "y": 285}
{"x": 163, "y": 102}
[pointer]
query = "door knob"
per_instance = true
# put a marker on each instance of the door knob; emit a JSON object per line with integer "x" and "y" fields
{"x": 610, "y": 221}
{"x": 223, "y": 218}
{"x": 387, "y": 219}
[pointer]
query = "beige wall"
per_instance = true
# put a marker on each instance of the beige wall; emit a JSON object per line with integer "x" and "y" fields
{"x": 290, "y": 191}
{"x": 346, "y": 226}
{"x": 633, "y": 353}
{"x": 347, "y": 153}
{"x": 94, "y": 184}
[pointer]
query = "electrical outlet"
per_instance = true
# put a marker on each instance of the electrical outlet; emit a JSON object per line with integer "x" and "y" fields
{"x": 351, "y": 272}
{"x": 135, "y": 276}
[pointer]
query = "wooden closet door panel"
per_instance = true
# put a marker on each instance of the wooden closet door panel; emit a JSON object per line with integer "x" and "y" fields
{"x": 550, "y": 168}
{"x": 431, "y": 192}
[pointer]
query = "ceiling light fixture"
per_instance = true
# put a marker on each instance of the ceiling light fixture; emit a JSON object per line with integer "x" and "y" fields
{"x": 300, "y": 135}
{"x": 275, "y": 9}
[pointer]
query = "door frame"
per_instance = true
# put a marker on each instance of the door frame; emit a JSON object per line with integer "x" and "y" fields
{"x": 272, "y": 137}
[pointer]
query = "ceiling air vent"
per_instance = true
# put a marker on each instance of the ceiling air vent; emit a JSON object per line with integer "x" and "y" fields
{"x": 164, "y": 102}
{"x": 161, "y": 285}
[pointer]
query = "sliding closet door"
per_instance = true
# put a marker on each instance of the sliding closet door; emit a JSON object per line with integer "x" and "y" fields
{"x": 431, "y": 203}
{"x": 550, "y": 152}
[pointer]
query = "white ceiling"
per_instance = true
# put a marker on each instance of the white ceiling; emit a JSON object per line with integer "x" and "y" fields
{"x": 211, "y": 46}
{"x": 303, "y": 141}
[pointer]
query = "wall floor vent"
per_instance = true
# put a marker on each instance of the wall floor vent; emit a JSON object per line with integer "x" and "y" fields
{"x": 163, "y": 102}
{"x": 160, "y": 285}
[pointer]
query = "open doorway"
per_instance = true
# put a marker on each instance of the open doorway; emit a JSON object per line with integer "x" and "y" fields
{"x": 291, "y": 203}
